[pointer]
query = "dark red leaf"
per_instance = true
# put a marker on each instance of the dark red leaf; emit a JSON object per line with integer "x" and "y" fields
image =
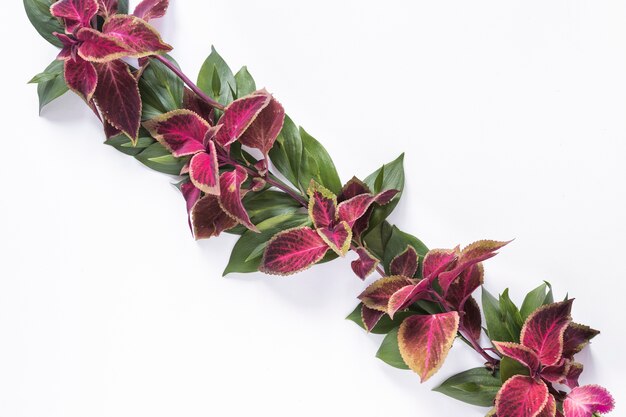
{"x": 405, "y": 263}
{"x": 81, "y": 77}
{"x": 263, "y": 131}
{"x": 117, "y": 97}
{"x": 293, "y": 251}
{"x": 138, "y": 37}
{"x": 208, "y": 219}
{"x": 231, "y": 195}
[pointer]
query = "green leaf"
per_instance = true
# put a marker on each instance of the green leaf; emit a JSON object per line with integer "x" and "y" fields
{"x": 251, "y": 243}
{"x": 398, "y": 242}
{"x": 160, "y": 159}
{"x": 161, "y": 90}
{"x": 385, "y": 325}
{"x": 286, "y": 154}
{"x": 51, "y": 85}
{"x": 123, "y": 144}
{"x": 122, "y": 6}
{"x": 476, "y": 386}
{"x": 494, "y": 318}
{"x": 536, "y": 298}
{"x": 389, "y": 351}
{"x": 388, "y": 177}
{"x": 317, "y": 164}
{"x": 215, "y": 68}
{"x": 38, "y": 12}
{"x": 245, "y": 82}
{"x": 513, "y": 318}
{"x": 510, "y": 367}
{"x": 267, "y": 204}
{"x": 377, "y": 239}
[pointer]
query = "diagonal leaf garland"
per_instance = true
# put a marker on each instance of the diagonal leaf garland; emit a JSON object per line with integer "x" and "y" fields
{"x": 202, "y": 132}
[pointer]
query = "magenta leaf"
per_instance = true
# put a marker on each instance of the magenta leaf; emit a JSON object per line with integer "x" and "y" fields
{"x": 524, "y": 355}
{"x": 139, "y": 38}
{"x": 365, "y": 264}
{"x": 469, "y": 256}
{"x": 117, "y": 97}
{"x": 557, "y": 373}
{"x": 230, "y": 195}
{"x": 208, "y": 219}
{"x": 460, "y": 289}
{"x": 75, "y": 13}
{"x": 406, "y": 296}
{"x": 81, "y": 77}
{"x": 576, "y": 337}
{"x": 353, "y": 188}
{"x": 191, "y": 195}
{"x": 95, "y": 46}
{"x": 471, "y": 318}
{"x": 204, "y": 171}
{"x": 370, "y": 317}
{"x": 437, "y": 261}
{"x": 322, "y": 205}
{"x": 293, "y": 251}
{"x": 238, "y": 116}
{"x": 338, "y": 237}
{"x": 107, "y": 7}
{"x": 521, "y": 396}
{"x": 151, "y": 9}
{"x": 587, "y": 400}
{"x": 549, "y": 410}
{"x": 180, "y": 131}
{"x": 543, "y": 331}
{"x": 376, "y": 295}
{"x": 353, "y": 209}
{"x": 192, "y": 102}
{"x": 262, "y": 133}
{"x": 425, "y": 341}
{"x": 405, "y": 263}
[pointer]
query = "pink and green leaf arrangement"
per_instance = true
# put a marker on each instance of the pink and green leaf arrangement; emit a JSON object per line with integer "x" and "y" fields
{"x": 291, "y": 211}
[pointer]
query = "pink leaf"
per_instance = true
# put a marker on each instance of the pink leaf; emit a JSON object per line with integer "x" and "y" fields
{"x": 138, "y": 37}
{"x": 208, "y": 219}
{"x": 524, "y": 355}
{"x": 460, "y": 289}
{"x": 81, "y": 77}
{"x": 151, "y": 9}
{"x": 544, "y": 329}
{"x": 230, "y": 196}
{"x": 405, "y": 263}
{"x": 293, "y": 251}
{"x": 338, "y": 237}
{"x": 204, "y": 171}
{"x": 587, "y": 400}
{"x": 191, "y": 195}
{"x": 549, "y": 410}
{"x": 353, "y": 188}
{"x": 425, "y": 341}
{"x": 406, "y": 296}
{"x": 95, "y": 46}
{"x": 370, "y": 317}
{"x": 262, "y": 133}
{"x": 437, "y": 261}
{"x": 322, "y": 205}
{"x": 180, "y": 131}
{"x": 117, "y": 97}
{"x": 107, "y": 7}
{"x": 521, "y": 396}
{"x": 192, "y": 102}
{"x": 365, "y": 265}
{"x": 470, "y": 255}
{"x": 75, "y": 12}
{"x": 376, "y": 295}
{"x": 576, "y": 337}
{"x": 353, "y": 209}
{"x": 238, "y": 116}
{"x": 472, "y": 320}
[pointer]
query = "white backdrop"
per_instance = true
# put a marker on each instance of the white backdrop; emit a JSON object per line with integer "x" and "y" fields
{"x": 512, "y": 115}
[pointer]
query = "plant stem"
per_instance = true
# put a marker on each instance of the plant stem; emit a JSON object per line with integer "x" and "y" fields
{"x": 277, "y": 183}
{"x": 187, "y": 81}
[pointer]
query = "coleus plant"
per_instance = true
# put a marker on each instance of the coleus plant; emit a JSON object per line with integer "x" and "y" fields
{"x": 244, "y": 167}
